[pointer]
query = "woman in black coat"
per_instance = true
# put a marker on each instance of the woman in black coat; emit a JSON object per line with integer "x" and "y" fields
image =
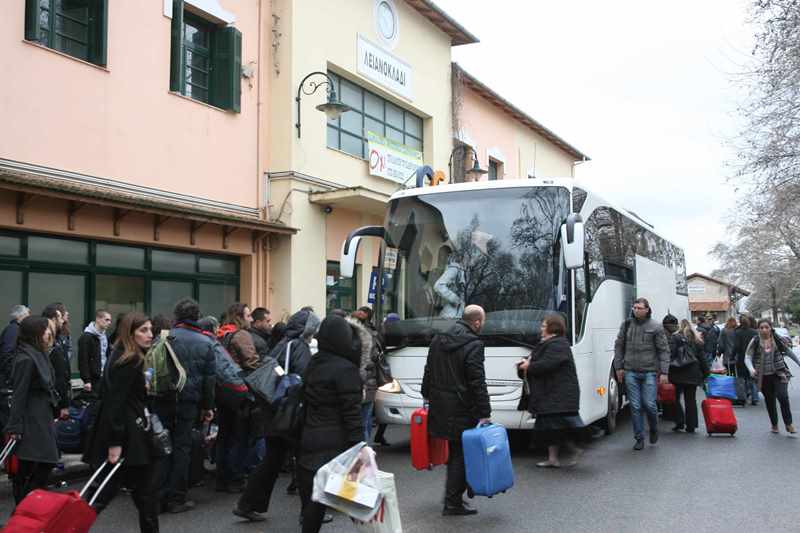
{"x": 33, "y": 407}
{"x": 688, "y": 368}
{"x": 554, "y": 391}
{"x": 121, "y": 431}
{"x": 333, "y": 392}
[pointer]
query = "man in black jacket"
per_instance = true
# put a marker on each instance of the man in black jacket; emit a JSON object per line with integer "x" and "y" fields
{"x": 261, "y": 331}
{"x": 93, "y": 350}
{"x": 455, "y": 387}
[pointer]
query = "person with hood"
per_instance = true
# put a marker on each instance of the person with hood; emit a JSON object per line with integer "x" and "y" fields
{"x": 235, "y": 336}
{"x": 195, "y": 351}
{"x": 687, "y": 370}
{"x": 33, "y": 407}
{"x": 370, "y": 348}
{"x": 454, "y": 385}
{"x": 726, "y": 344}
{"x": 555, "y": 394}
{"x": 641, "y": 361}
{"x": 333, "y": 392}
{"x": 93, "y": 350}
{"x": 300, "y": 328}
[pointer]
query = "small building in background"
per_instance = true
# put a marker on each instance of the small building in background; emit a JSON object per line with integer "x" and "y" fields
{"x": 711, "y": 296}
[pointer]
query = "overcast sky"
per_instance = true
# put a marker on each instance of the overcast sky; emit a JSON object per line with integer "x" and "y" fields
{"x": 643, "y": 88}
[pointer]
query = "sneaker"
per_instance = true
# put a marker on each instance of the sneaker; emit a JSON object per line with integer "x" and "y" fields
{"x": 653, "y": 437}
{"x": 678, "y": 427}
{"x": 639, "y": 445}
{"x": 689, "y": 430}
{"x": 790, "y": 428}
{"x": 459, "y": 510}
{"x": 327, "y": 519}
{"x": 180, "y": 507}
{"x": 248, "y": 515}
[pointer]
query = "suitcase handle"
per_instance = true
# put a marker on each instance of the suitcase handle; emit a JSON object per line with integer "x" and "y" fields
{"x": 9, "y": 447}
{"x": 104, "y": 483}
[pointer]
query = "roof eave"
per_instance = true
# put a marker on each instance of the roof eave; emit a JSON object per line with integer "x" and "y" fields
{"x": 459, "y": 35}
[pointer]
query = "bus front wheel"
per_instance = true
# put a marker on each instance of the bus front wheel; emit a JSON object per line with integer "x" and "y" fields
{"x": 610, "y": 421}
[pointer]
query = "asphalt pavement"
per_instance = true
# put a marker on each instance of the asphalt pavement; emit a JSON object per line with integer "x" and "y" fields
{"x": 684, "y": 483}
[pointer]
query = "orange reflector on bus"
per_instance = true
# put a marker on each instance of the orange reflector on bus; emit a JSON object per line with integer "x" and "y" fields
{"x": 601, "y": 391}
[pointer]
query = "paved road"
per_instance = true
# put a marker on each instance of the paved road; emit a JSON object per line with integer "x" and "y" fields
{"x": 685, "y": 483}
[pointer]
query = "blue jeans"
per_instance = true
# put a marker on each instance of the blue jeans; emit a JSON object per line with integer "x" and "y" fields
{"x": 366, "y": 419}
{"x": 641, "y": 388}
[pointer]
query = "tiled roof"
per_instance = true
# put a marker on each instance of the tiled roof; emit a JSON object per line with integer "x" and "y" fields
{"x": 458, "y": 33}
{"x": 517, "y": 114}
{"x": 733, "y": 287}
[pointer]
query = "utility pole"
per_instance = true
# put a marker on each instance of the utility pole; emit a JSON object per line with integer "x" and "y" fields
{"x": 774, "y": 305}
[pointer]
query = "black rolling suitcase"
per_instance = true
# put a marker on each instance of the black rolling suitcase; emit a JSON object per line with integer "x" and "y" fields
{"x": 741, "y": 388}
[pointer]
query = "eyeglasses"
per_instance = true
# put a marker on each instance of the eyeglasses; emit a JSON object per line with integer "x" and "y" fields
{"x": 639, "y": 308}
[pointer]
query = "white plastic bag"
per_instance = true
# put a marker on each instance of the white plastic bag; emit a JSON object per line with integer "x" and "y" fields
{"x": 387, "y": 519}
{"x": 718, "y": 367}
{"x": 357, "y": 466}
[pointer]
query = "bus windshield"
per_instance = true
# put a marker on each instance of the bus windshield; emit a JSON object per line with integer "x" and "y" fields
{"x": 497, "y": 248}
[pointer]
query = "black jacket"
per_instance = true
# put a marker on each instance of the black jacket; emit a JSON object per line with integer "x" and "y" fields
{"x": 61, "y": 375}
{"x": 710, "y": 338}
{"x": 553, "y": 380}
{"x": 333, "y": 392}
{"x": 455, "y": 382}
{"x": 299, "y": 353}
{"x": 743, "y": 338}
{"x": 693, "y": 374}
{"x": 121, "y": 418}
{"x": 8, "y": 345}
{"x": 261, "y": 342}
{"x": 195, "y": 351}
{"x": 90, "y": 358}
{"x": 33, "y": 406}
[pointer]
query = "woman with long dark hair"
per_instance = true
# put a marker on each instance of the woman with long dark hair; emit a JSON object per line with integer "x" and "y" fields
{"x": 33, "y": 406}
{"x": 765, "y": 361}
{"x": 121, "y": 431}
{"x": 687, "y": 371}
{"x": 555, "y": 394}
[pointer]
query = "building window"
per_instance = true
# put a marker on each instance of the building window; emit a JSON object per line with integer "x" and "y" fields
{"x": 495, "y": 169}
{"x": 340, "y": 292}
{"x": 206, "y": 60}
{"x": 75, "y": 27}
{"x": 370, "y": 112}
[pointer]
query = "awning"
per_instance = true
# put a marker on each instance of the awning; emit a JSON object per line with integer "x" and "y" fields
{"x": 33, "y": 184}
{"x": 358, "y": 199}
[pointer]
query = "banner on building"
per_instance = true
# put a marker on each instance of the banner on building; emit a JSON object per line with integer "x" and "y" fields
{"x": 390, "y": 159}
{"x": 384, "y": 69}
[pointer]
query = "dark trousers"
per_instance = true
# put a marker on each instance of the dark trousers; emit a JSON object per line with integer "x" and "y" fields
{"x": 772, "y": 389}
{"x": 456, "y": 475}
{"x": 143, "y": 480}
{"x": 176, "y": 479}
{"x": 686, "y": 414}
{"x": 313, "y": 513}
{"x": 260, "y": 483}
{"x": 232, "y": 447}
{"x": 30, "y": 476}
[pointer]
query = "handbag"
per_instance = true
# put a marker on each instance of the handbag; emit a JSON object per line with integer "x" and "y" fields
{"x": 263, "y": 381}
{"x": 289, "y": 415}
{"x": 383, "y": 372}
{"x": 683, "y": 357}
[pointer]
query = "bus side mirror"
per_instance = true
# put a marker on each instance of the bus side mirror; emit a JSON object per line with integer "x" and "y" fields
{"x": 347, "y": 266}
{"x": 572, "y": 241}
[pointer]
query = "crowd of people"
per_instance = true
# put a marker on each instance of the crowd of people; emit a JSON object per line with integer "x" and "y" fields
{"x": 188, "y": 374}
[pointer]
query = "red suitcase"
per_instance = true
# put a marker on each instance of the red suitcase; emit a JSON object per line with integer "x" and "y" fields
{"x": 426, "y": 451}
{"x": 666, "y": 393}
{"x": 719, "y": 416}
{"x": 43, "y": 511}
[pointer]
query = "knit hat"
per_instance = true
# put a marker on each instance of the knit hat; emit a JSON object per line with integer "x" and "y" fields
{"x": 669, "y": 320}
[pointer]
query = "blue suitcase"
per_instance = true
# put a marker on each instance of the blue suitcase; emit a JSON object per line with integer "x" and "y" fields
{"x": 487, "y": 457}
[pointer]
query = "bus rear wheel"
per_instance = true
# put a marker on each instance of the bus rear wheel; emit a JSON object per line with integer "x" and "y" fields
{"x": 610, "y": 421}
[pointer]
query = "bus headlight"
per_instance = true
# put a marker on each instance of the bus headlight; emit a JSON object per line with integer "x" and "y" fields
{"x": 391, "y": 387}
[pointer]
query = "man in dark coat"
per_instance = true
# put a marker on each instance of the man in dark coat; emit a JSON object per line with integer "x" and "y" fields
{"x": 93, "y": 350}
{"x": 195, "y": 351}
{"x": 8, "y": 343}
{"x": 455, "y": 387}
{"x": 261, "y": 331}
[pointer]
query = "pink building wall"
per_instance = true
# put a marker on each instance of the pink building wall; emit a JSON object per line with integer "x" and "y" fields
{"x": 121, "y": 122}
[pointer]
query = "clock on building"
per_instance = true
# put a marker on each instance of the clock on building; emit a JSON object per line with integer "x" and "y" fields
{"x": 386, "y": 22}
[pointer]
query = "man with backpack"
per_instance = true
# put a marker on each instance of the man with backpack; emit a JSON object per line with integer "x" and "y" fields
{"x": 195, "y": 351}
{"x": 641, "y": 361}
{"x": 710, "y": 333}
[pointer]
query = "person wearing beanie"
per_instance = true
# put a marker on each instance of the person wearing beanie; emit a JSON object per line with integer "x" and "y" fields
{"x": 687, "y": 371}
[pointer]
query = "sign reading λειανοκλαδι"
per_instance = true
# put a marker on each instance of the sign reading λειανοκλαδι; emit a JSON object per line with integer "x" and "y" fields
{"x": 383, "y": 68}
{"x": 391, "y": 160}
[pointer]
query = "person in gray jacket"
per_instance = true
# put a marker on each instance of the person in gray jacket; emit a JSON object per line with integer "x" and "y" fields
{"x": 641, "y": 360}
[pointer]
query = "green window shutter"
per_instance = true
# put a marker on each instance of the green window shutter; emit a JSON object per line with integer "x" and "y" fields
{"x": 227, "y": 69}
{"x": 98, "y": 32}
{"x": 32, "y": 20}
{"x": 176, "y": 48}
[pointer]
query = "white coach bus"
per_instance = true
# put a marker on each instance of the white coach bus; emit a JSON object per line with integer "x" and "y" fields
{"x": 521, "y": 249}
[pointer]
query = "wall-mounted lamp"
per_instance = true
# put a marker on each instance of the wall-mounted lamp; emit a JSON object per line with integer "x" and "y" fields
{"x": 333, "y": 108}
{"x": 476, "y": 171}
